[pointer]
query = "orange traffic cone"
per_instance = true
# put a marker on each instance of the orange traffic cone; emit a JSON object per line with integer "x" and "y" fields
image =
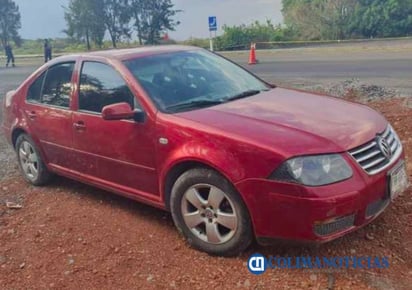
{"x": 252, "y": 54}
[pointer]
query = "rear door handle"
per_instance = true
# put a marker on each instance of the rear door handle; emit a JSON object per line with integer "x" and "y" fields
{"x": 79, "y": 126}
{"x": 31, "y": 114}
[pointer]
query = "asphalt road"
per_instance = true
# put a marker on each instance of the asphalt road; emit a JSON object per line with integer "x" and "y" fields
{"x": 389, "y": 69}
{"x": 10, "y": 78}
{"x": 401, "y": 68}
{"x": 323, "y": 66}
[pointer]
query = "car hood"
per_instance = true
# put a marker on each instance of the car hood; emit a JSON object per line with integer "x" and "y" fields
{"x": 294, "y": 122}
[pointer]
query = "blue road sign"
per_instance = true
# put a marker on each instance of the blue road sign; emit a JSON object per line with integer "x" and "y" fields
{"x": 212, "y": 23}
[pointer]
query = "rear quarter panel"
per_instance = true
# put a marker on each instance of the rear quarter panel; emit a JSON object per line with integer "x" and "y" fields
{"x": 13, "y": 113}
{"x": 9, "y": 113}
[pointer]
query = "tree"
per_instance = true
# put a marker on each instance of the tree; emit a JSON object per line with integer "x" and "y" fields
{"x": 138, "y": 7}
{"x": 84, "y": 20}
{"x": 334, "y": 17}
{"x": 90, "y": 19}
{"x": 339, "y": 19}
{"x": 97, "y": 27}
{"x": 153, "y": 17}
{"x": 9, "y": 22}
{"x": 116, "y": 17}
{"x": 382, "y": 18}
{"x": 302, "y": 17}
{"x": 318, "y": 19}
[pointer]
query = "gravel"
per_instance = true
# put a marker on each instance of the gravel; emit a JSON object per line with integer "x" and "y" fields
{"x": 363, "y": 91}
{"x": 8, "y": 159}
{"x": 354, "y": 89}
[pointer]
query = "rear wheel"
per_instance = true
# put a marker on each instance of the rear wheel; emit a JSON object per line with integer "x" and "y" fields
{"x": 30, "y": 163}
{"x": 210, "y": 214}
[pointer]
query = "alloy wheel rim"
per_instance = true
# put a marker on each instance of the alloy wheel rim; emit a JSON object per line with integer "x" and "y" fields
{"x": 209, "y": 213}
{"x": 29, "y": 160}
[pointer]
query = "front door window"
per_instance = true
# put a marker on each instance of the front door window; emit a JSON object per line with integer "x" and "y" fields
{"x": 101, "y": 85}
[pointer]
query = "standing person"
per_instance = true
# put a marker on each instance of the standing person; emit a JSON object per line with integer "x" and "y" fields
{"x": 9, "y": 55}
{"x": 47, "y": 51}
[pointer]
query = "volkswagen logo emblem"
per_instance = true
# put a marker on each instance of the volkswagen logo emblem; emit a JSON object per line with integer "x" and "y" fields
{"x": 384, "y": 147}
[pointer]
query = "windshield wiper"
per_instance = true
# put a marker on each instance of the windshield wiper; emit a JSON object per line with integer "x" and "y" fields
{"x": 193, "y": 104}
{"x": 242, "y": 95}
{"x": 206, "y": 103}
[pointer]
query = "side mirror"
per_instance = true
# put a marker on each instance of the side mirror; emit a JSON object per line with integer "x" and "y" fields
{"x": 121, "y": 111}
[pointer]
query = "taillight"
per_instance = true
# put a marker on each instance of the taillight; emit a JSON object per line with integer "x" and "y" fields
{"x": 9, "y": 98}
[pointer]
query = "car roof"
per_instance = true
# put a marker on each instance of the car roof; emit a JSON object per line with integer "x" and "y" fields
{"x": 129, "y": 53}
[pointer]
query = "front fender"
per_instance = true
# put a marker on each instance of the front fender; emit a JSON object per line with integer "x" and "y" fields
{"x": 223, "y": 161}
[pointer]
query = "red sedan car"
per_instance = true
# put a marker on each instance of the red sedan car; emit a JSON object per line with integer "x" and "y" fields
{"x": 233, "y": 158}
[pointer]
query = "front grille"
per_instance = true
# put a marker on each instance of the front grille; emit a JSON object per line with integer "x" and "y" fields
{"x": 376, "y": 206}
{"x": 340, "y": 224}
{"x": 379, "y": 153}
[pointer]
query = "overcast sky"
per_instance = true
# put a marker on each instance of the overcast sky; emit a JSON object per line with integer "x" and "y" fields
{"x": 45, "y": 18}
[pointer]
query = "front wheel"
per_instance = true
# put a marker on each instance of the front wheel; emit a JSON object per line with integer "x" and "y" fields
{"x": 210, "y": 214}
{"x": 30, "y": 163}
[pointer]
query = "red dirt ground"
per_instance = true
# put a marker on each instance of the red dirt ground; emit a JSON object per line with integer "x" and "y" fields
{"x": 72, "y": 236}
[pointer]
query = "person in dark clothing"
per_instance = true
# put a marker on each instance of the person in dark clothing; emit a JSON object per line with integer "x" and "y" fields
{"x": 9, "y": 55}
{"x": 47, "y": 51}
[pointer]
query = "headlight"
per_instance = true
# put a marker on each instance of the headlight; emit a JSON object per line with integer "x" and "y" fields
{"x": 314, "y": 170}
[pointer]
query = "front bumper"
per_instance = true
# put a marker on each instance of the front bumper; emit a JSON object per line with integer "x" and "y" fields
{"x": 315, "y": 214}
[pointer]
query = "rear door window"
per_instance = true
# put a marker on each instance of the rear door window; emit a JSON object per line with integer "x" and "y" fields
{"x": 34, "y": 93}
{"x": 57, "y": 86}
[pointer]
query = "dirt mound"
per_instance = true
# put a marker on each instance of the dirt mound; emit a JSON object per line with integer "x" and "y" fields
{"x": 72, "y": 236}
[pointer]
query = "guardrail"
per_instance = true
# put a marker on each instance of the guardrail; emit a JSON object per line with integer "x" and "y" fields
{"x": 304, "y": 43}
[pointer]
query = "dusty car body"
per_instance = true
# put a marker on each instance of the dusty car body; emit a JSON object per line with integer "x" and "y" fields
{"x": 263, "y": 163}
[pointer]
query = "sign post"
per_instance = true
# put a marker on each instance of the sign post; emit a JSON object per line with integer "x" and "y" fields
{"x": 212, "y": 28}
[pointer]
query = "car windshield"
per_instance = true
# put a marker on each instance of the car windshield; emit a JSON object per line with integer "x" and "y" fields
{"x": 189, "y": 80}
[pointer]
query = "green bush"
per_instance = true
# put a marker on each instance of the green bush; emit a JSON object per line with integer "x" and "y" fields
{"x": 241, "y": 36}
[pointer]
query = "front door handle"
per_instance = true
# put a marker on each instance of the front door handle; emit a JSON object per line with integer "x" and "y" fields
{"x": 79, "y": 126}
{"x": 31, "y": 114}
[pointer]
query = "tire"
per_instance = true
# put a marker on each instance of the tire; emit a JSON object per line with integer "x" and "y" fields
{"x": 30, "y": 163}
{"x": 215, "y": 220}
